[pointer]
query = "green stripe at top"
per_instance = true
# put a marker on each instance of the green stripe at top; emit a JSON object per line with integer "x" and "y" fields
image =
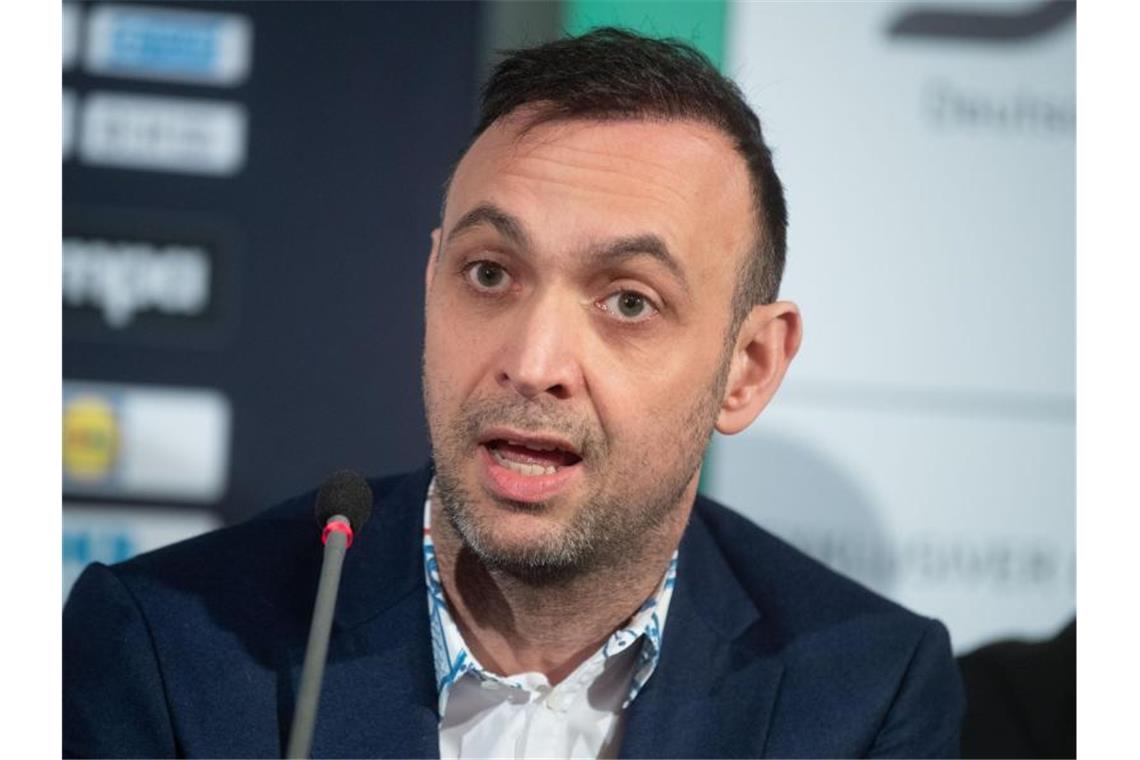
{"x": 701, "y": 23}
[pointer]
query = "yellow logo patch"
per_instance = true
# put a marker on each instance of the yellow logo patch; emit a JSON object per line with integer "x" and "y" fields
{"x": 90, "y": 438}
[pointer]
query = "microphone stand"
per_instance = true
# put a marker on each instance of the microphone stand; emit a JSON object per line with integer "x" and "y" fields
{"x": 313, "y": 671}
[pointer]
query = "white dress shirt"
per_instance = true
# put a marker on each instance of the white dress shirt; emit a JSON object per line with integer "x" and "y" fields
{"x": 483, "y": 714}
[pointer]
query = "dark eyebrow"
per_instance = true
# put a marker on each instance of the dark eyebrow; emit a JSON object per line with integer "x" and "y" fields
{"x": 622, "y": 249}
{"x": 610, "y": 253}
{"x": 488, "y": 213}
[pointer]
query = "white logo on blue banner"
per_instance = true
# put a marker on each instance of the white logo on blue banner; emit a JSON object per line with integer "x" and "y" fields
{"x": 145, "y": 42}
{"x": 121, "y": 278}
{"x": 184, "y": 135}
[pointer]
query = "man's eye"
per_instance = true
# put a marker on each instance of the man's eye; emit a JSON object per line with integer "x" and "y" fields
{"x": 629, "y": 306}
{"x": 487, "y": 275}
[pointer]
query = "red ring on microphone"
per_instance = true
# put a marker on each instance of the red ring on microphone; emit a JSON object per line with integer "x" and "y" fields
{"x": 338, "y": 527}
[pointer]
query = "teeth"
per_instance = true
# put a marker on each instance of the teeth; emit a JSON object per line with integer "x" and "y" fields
{"x": 535, "y": 446}
{"x": 523, "y": 468}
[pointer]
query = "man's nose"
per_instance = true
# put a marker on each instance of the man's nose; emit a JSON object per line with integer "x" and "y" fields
{"x": 542, "y": 353}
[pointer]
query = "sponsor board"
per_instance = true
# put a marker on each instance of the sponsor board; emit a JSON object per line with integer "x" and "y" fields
{"x": 72, "y": 21}
{"x": 145, "y": 442}
{"x": 129, "y": 275}
{"x": 109, "y": 534}
{"x": 145, "y": 132}
{"x": 168, "y": 44}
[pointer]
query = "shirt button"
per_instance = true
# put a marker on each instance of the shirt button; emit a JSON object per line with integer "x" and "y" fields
{"x": 557, "y": 701}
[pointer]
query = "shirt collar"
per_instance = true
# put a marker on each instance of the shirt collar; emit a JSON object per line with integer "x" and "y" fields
{"x": 453, "y": 659}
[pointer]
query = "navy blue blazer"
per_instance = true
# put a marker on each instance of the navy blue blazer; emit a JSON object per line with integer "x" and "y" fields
{"x": 196, "y": 649}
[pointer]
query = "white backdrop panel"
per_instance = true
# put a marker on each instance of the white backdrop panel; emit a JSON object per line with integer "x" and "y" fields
{"x": 957, "y": 517}
{"x": 925, "y": 249}
{"x": 924, "y": 439}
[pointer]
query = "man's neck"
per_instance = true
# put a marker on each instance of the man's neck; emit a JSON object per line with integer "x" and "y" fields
{"x": 513, "y": 626}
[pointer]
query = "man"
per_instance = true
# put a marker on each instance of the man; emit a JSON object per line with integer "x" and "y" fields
{"x": 600, "y": 296}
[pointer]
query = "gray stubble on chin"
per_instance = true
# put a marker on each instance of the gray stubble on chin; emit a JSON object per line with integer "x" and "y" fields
{"x": 566, "y": 554}
{"x": 603, "y": 533}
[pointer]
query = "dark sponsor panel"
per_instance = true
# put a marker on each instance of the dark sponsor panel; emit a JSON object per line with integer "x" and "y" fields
{"x": 248, "y": 193}
{"x": 139, "y": 276}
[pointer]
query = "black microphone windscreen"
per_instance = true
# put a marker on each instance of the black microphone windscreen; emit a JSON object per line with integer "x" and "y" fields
{"x": 345, "y": 493}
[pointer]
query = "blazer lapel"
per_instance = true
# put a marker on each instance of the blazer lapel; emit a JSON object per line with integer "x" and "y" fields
{"x": 714, "y": 688}
{"x": 378, "y": 698}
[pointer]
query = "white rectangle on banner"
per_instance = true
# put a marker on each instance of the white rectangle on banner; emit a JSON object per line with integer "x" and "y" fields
{"x": 72, "y": 18}
{"x": 110, "y": 534}
{"x": 163, "y": 134}
{"x": 145, "y": 442}
{"x": 168, "y": 44}
{"x": 69, "y": 106}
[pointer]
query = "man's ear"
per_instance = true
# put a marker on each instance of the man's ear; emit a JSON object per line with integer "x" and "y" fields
{"x": 767, "y": 342}
{"x": 433, "y": 259}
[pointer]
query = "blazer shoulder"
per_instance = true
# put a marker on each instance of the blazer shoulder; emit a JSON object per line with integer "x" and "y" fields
{"x": 272, "y": 529}
{"x": 885, "y": 675}
{"x": 159, "y": 646}
{"x": 266, "y": 559}
{"x": 785, "y": 582}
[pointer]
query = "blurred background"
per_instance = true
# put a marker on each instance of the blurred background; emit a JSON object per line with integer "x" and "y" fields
{"x": 248, "y": 189}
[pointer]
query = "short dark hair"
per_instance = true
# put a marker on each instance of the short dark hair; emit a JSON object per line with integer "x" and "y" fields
{"x": 612, "y": 73}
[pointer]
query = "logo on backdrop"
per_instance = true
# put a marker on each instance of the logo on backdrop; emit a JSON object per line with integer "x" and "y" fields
{"x": 111, "y": 533}
{"x": 999, "y": 563}
{"x": 969, "y": 23}
{"x": 970, "y": 105}
{"x": 128, "y": 276}
{"x": 122, "y": 279}
{"x": 168, "y": 44}
{"x": 91, "y": 439}
{"x": 949, "y": 104}
{"x": 162, "y": 134}
{"x": 149, "y": 442}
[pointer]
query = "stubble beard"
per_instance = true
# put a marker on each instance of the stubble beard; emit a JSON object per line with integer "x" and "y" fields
{"x": 624, "y": 509}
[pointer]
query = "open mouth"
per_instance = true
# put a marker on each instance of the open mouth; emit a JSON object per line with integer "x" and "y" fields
{"x": 531, "y": 457}
{"x": 528, "y": 468}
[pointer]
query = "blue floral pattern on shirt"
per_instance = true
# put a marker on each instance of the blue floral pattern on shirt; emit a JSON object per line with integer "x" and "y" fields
{"x": 453, "y": 660}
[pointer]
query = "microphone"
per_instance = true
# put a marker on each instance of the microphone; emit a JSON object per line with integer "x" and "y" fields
{"x": 343, "y": 505}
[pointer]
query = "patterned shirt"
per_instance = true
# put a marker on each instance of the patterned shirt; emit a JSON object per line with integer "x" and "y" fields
{"x": 621, "y": 667}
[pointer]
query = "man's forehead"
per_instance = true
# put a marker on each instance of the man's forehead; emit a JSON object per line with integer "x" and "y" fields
{"x": 624, "y": 145}
{"x": 670, "y": 170}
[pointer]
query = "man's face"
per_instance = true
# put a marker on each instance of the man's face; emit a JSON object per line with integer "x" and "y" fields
{"x": 577, "y": 312}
